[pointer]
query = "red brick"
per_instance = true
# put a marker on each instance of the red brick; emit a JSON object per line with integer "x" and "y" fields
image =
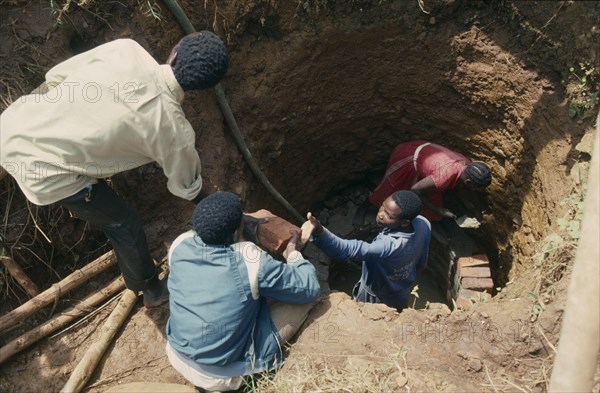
{"x": 477, "y": 284}
{"x": 274, "y": 232}
{"x": 472, "y": 261}
{"x": 478, "y": 271}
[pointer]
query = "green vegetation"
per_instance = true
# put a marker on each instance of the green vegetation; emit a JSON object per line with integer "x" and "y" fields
{"x": 58, "y": 10}
{"x": 557, "y": 249}
{"x": 152, "y": 10}
{"x": 582, "y": 90}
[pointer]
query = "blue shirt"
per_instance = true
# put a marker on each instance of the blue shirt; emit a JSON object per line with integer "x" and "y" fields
{"x": 215, "y": 319}
{"x": 390, "y": 261}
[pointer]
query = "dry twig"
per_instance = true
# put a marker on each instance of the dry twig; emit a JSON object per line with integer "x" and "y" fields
{"x": 422, "y": 6}
{"x": 487, "y": 373}
{"x": 546, "y": 338}
{"x": 104, "y": 293}
{"x": 36, "y": 224}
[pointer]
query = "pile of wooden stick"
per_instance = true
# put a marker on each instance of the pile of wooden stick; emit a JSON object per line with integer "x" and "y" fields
{"x": 51, "y": 295}
{"x": 38, "y": 300}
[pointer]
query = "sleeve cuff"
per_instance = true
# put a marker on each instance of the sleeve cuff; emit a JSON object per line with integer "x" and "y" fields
{"x": 317, "y": 239}
{"x": 294, "y": 257}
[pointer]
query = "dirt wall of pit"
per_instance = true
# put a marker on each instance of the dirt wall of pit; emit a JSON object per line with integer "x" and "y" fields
{"x": 323, "y": 97}
{"x": 322, "y": 92}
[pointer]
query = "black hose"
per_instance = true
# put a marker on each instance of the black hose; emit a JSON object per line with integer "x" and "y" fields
{"x": 187, "y": 26}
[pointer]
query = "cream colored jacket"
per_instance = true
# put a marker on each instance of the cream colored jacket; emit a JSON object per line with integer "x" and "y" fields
{"x": 105, "y": 111}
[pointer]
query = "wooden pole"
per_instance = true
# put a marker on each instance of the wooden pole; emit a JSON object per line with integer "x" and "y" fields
{"x": 93, "y": 355}
{"x": 52, "y": 325}
{"x": 576, "y": 359}
{"x": 48, "y": 296}
{"x": 20, "y": 277}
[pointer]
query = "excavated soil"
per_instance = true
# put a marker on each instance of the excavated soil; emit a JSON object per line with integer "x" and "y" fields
{"x": 322, "y": 92}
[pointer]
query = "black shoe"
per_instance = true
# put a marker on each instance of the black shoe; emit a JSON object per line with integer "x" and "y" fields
{"x": 156, "y": 295}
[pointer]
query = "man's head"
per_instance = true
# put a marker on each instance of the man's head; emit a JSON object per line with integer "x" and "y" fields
{"x": 199, "y": 60}
{"x": 399, "y": 209}
{"x": 477, "y": 175}
{"x": 217, "y": 217}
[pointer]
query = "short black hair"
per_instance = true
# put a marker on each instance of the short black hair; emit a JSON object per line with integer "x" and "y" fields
{"x": 201, "y": 61}
{"x": 479, "y": 174}
{"x": 216, "y": 217}
{"x": 409, "y": 202}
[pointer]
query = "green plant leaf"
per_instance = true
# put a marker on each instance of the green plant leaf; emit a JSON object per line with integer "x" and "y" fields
{"x": 568, "y": 199}
{"x": 562, "y": 223}
{"x": 573, "y": 229}
{"x": 579, "y": 213}
{"x": 551, "y": 242}
{"x": 553, "y": 238}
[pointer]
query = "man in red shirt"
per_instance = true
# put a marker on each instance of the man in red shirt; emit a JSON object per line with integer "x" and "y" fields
{"x": 429, "y": 170}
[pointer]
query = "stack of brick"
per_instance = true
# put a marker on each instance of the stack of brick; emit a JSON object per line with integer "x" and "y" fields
{"x": 473, "y": 280}
{"x": 448, "y": 243}
{"x": 439, "y": 268}
{"x": 273, "y": 232}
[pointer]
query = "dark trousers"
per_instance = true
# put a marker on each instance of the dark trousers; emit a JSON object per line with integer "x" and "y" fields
{"x": 102, "y": 207}
{"x": 361, "y": 294}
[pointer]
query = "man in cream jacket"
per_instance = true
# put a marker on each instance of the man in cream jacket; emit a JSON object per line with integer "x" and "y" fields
{"x": 102, "y": 112}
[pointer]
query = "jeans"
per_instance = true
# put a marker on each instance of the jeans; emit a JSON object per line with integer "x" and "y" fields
{"x": 99, "y": 205}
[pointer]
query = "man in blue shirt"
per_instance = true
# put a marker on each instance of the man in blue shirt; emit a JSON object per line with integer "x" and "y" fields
{"x": 221, "y": 325}
{"x": 391, "y": 261}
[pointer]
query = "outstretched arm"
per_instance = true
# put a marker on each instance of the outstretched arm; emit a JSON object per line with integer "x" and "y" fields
{"x": 425, "y": 186}
{"x": 338, "y": 248}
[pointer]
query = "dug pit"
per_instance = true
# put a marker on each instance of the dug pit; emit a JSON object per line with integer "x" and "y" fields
{"x": 322, "y": 94}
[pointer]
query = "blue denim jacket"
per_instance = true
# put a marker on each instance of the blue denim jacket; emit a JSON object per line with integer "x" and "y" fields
{"x": 215, "y": 321}
{"x": 390, "y": 261}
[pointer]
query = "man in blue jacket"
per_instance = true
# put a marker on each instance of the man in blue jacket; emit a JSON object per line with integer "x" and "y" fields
{"x": 221, "y": 325}
{"x": 391, "y": 261}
